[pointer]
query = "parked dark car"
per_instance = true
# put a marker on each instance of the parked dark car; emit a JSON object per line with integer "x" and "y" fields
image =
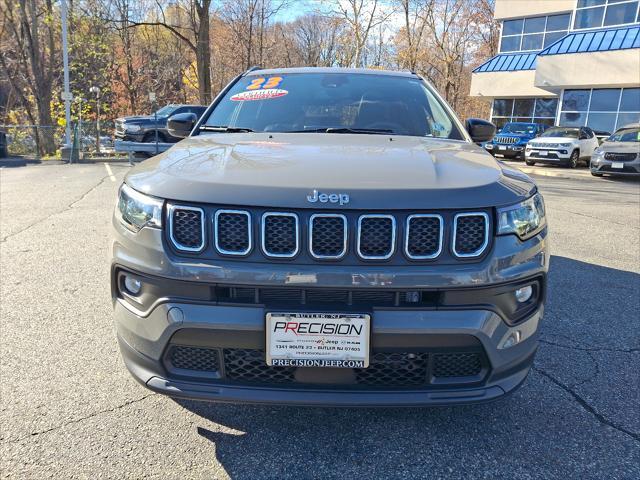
{"x": 513, "y": 138}
{"x": 601, "y": 135}
{"x": 143, "y": 128}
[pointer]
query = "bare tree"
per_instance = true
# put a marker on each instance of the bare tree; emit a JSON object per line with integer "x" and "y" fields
{"x": 29, "y": 57}
{"x": 414, "y": 15}
{"x": 250, "y": 21}
{"x": 195, "y": 33}
{"x": 362, "y": 16}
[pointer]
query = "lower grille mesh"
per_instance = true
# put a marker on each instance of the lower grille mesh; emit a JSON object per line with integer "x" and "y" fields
{"x": 194, "y": 358}
{"x": 249, "y": 366}
{"x": 386, "y": 369}
{"x": 456, "y": 365}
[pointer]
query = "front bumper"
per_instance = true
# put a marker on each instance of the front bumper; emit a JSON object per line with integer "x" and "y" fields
{"x": 145, "y": 336}
{"x": 548, "y": 155}
{"x": 506, "y": 151}
{"x": 602, "y": 166}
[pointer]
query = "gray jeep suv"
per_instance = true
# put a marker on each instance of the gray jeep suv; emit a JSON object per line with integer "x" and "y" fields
{"x": 329, "y": 237}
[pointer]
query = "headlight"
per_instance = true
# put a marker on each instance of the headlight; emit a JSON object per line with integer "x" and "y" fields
{"x": 137, "y": 210}
{"x": 524, "y": 219}
{"x": 133, "y": 128}
{"x": 565, "y": 145}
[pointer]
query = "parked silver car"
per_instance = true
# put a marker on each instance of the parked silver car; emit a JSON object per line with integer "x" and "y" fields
{"x": 619, "y": 154}
{"x": 329, "y": 237}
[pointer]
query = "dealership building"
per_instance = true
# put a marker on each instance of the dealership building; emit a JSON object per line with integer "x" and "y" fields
{"x": 564, "y": 62}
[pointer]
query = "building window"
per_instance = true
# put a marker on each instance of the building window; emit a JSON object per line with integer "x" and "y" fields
{"x": 602, "y": 109}
{"x": 605, "y": 13}
{"x": 533, "y": 33}
{"x": 528, "y": 110}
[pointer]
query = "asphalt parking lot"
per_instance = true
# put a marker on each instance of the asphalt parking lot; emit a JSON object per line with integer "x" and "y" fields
{"x": 69, "y": 408}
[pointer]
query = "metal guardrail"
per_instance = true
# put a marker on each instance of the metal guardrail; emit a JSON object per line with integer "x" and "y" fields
{"x": 138, "y": 147}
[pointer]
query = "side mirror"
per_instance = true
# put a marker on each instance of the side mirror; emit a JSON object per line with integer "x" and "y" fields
{"x": 480, "y": 130}
{"x": 181, "y": 124}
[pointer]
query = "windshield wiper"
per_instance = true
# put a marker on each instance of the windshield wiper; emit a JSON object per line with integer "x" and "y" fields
{"x": 225, "y": 129}
{"x": 342, "y": 130}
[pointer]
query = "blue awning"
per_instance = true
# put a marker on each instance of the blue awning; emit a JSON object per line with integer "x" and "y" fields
{"x": 604, "y": 40}
{"x": 509, "y": 62}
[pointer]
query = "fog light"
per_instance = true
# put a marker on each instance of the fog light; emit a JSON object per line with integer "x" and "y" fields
{"x": 133, "y": 285}
{"x": 513, "y": 339}
{"x": 524, "y": 294}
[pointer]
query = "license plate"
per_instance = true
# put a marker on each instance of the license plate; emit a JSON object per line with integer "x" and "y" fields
{"x": 338, "y": 340}
{"x": 502, "y": 147}
{"x": 617, "y": 165}
{"x": 543, "y": 154}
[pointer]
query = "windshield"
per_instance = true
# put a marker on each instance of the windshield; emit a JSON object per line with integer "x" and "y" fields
{"x": 333, "y": 102}
{"x": 561, "y": 132}
{"x": 626, "y": 135}
{"x": 518, "y": 128}
{"x": 166, "y": 111}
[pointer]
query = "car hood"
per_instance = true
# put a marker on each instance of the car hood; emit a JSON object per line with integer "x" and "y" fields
{"x": 376, "y": 171}
{"x": 555, "y": 140}
{"x": 620, "y": 147}
{"x": 137, "y": 119}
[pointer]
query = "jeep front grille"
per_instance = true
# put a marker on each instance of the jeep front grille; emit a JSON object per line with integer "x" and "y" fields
{"x": 233, "y": 232}
{"x": 471, "y": 234}
{"x": 280, "y": 235}
{"x": 187, "y": 228}
{"x": 309, "y": 237}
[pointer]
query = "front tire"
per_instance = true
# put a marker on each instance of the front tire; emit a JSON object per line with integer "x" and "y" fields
{"x": 574, "y": 159}
{"x": 531, "y": 163}
{"x": 596, "y": 174}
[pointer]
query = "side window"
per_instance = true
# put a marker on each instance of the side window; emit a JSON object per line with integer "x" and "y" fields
{"x": 180, "y": 110}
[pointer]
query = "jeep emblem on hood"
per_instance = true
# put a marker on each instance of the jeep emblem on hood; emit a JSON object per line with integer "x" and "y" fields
{"x": 341, "y": 198}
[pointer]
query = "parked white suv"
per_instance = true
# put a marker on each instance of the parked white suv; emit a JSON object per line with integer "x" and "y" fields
{"x": 562, "y": 145}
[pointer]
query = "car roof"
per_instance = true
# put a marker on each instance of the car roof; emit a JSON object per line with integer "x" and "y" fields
{"x": 631, "y": 125}
{"x": 365, "y": 71}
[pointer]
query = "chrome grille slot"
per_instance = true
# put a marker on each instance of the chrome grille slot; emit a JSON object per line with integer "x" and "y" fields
{"x": 424, "y": 236}
{"x": 233, "y": 232}
{"x": 186, "y": 228}
{"x": 507, "y": 140}
{"x": 328, "y": 236}
{"x": 471, "y": 234}
{"x": 280, "y": 234}
{"x": 376, "y": 237}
